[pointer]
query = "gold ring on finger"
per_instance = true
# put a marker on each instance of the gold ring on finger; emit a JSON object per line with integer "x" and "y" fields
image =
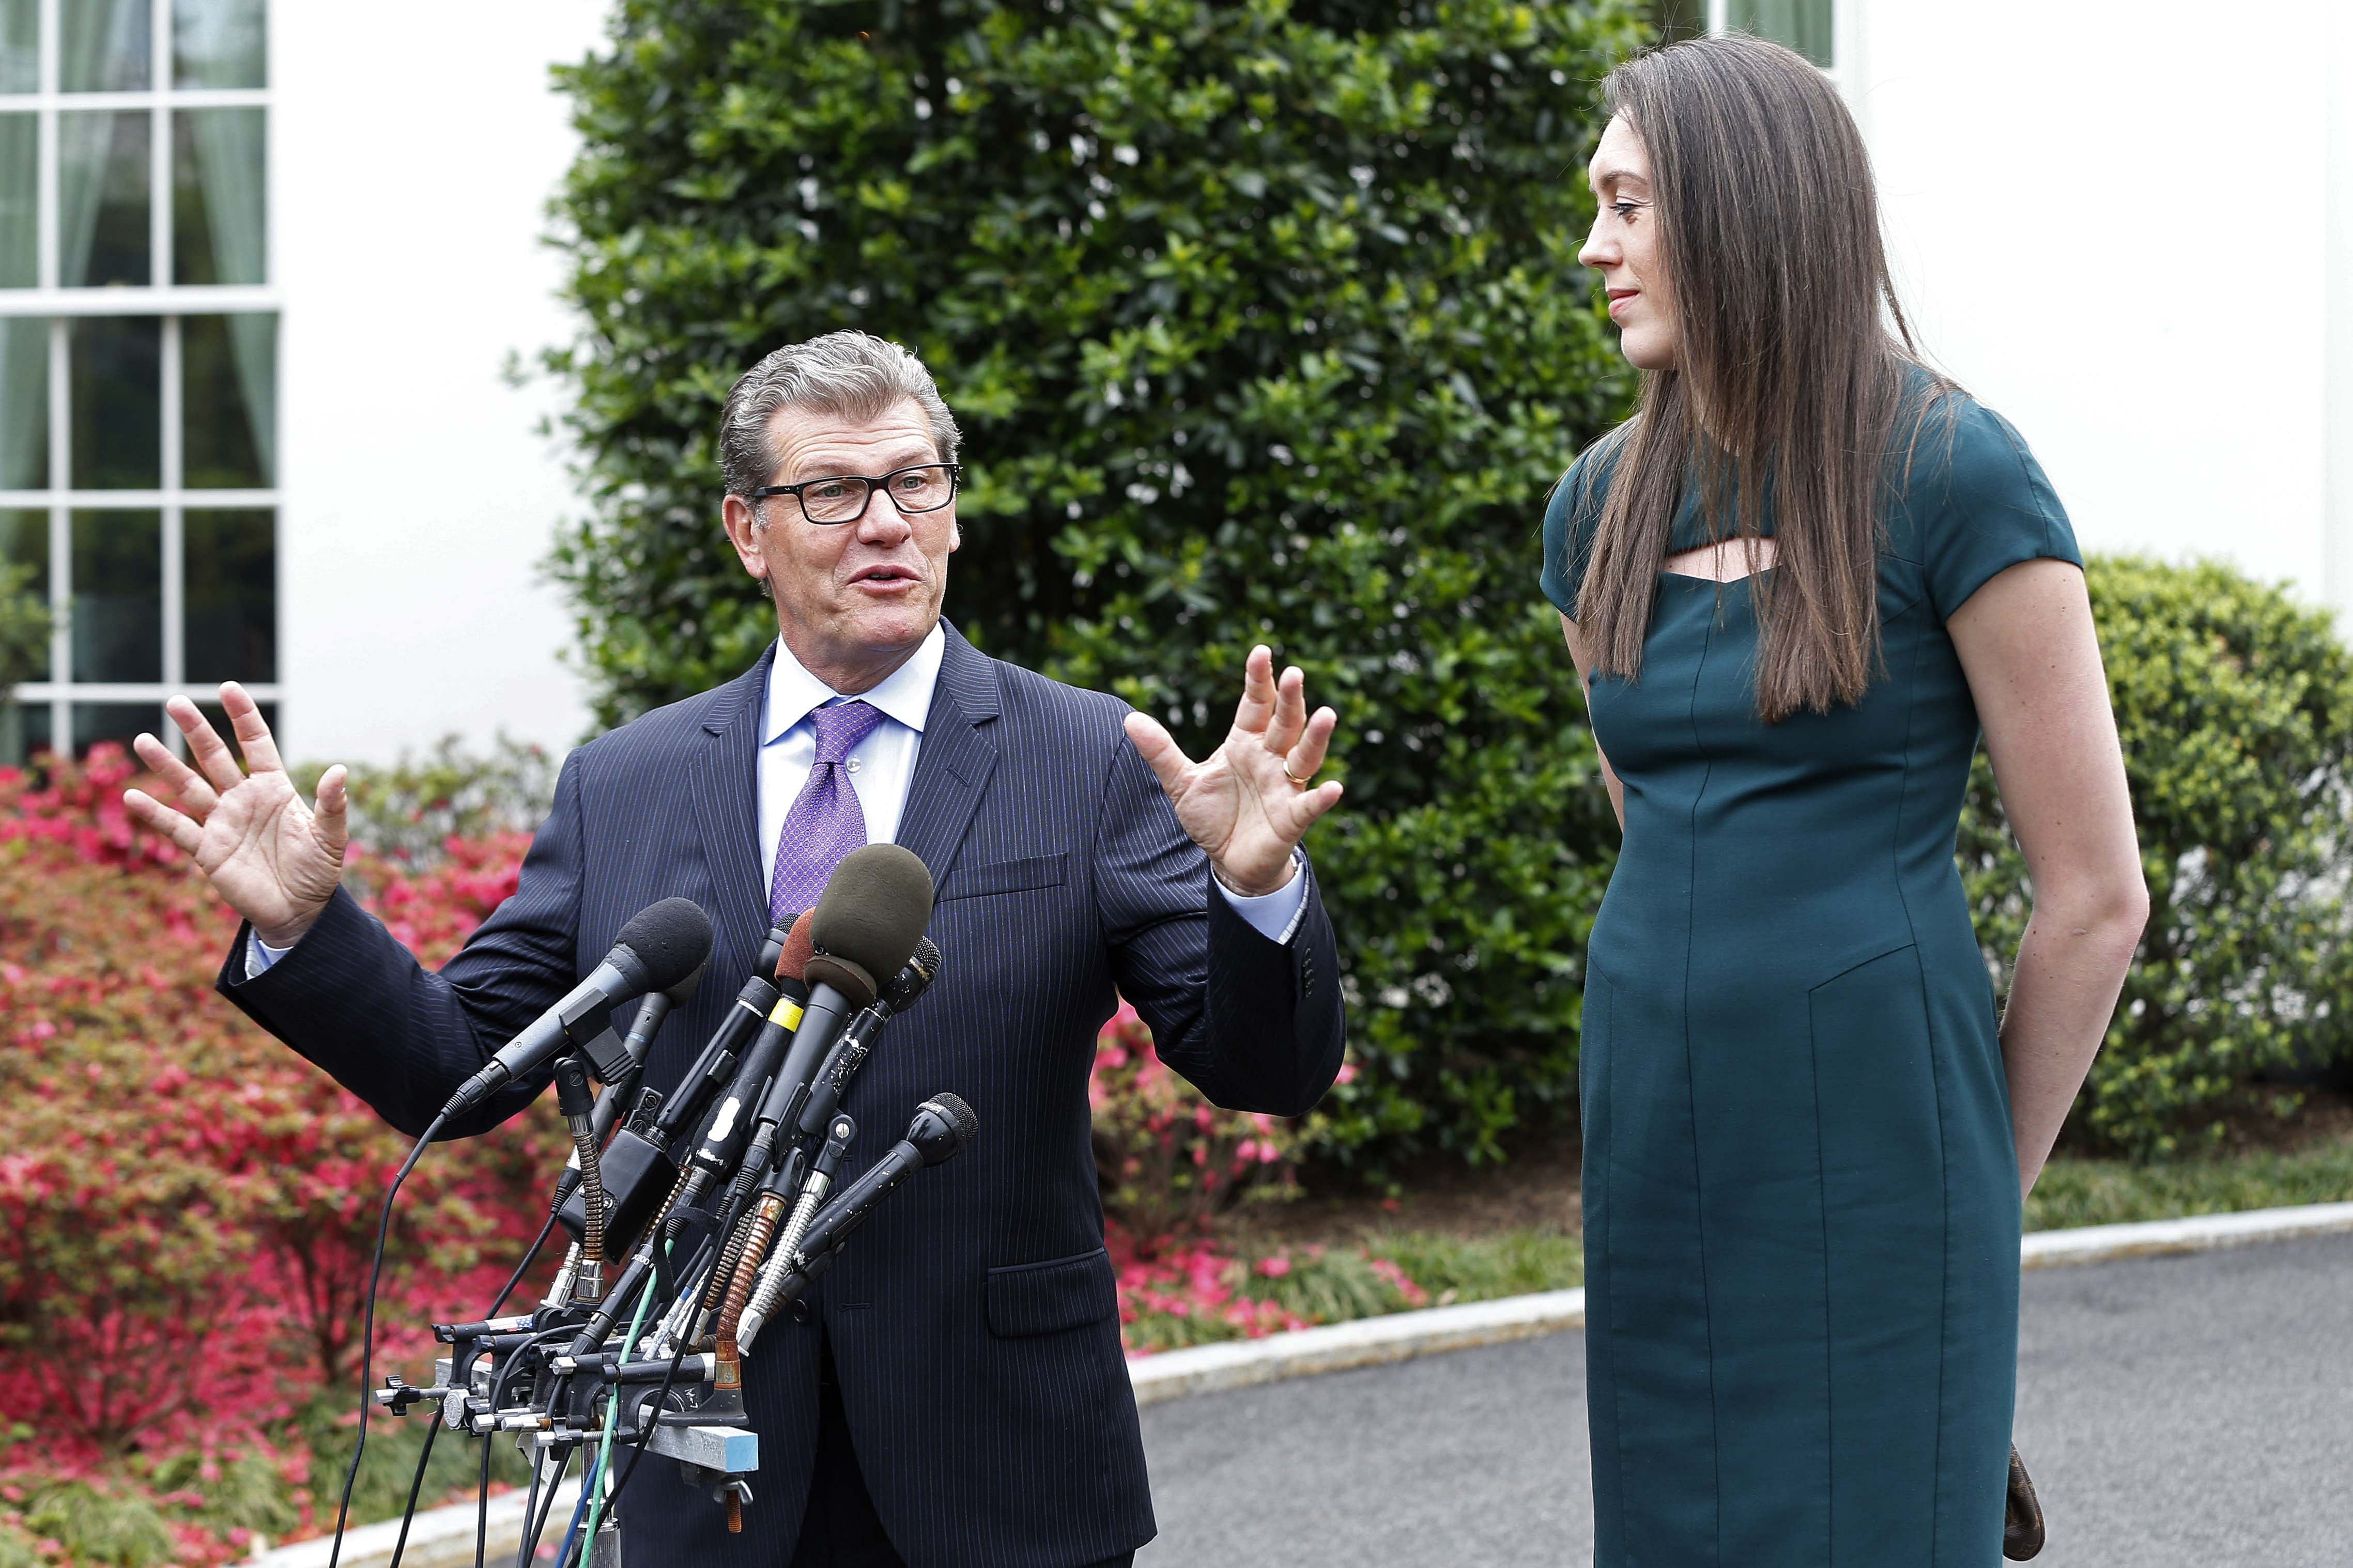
{"x": 1295, "y": 778}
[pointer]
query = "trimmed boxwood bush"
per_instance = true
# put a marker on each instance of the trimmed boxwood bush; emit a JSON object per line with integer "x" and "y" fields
{"x": 1264, "y": 322}
{"x": 2235, "y": 708}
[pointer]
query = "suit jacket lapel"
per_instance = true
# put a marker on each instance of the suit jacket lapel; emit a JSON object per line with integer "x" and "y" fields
{"x": 725, "y": 781}
{"x": 953, "y": 765}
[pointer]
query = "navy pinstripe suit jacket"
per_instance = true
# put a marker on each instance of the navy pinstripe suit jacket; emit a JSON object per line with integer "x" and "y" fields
{"x": 972, "y": 1320}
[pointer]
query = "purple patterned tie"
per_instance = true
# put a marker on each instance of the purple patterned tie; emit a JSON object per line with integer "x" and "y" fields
{"x": 827, "y": 822}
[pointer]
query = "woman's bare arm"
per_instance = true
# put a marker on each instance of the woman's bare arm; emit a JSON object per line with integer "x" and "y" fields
{"x": 1609, "y": 775}
{"x": 2026, "y": 643}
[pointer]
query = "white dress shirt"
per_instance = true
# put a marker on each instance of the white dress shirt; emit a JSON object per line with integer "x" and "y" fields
{"x": 881, "y": 767}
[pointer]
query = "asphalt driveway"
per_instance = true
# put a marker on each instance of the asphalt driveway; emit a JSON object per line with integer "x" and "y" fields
{"x": 2185, "y": 1412}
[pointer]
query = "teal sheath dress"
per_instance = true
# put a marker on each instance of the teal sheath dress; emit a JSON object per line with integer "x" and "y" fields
{"x": 1801, "y": 1208}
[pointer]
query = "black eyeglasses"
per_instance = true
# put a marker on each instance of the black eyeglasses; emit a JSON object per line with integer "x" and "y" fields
{"x": 842, "y": 498}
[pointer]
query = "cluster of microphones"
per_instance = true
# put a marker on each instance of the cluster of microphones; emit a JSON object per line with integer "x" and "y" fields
{"x": 694, "y": 1217}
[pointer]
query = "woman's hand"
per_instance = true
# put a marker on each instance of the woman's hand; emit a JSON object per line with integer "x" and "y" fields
{"x": 1246, "y": 805}
{"x": 272, "y": 860}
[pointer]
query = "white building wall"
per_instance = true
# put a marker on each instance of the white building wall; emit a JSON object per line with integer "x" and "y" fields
{"x": 2337, "y": 264}
{"x": 412, "y": 158}
{"x": 2137, "y": 250}
{"x": 2094, "y": 230}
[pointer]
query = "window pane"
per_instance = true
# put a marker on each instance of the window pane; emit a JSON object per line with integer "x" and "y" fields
{"x": 217, "y": 188}
{"x": 117, "y": 365}
{"x": 104, "y": 45}
{"x": 231, "y": 604}
{"x": 118, "y": 596}
{"x": 24, "y": 542}
{"x": 228, "y": 393}
{"x": 1803, "y": 24}
{"x": 24, "y": 403}
{"x": 20, "y": 226}
{"x": 102, "y": 199}
{"x": 219, "y": 42}
{"x": 20, "y": 45}
{"x": 24, "y": 729}
{"x": 1678, "y": 19}
{"x": 115, "y": 721}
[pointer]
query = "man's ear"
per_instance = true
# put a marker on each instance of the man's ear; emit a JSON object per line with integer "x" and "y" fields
{"x": 741, "y": 521}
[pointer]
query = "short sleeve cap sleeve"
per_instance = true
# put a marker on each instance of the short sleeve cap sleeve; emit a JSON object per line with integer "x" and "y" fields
{"x": 1986, "y": 508}
{"x": 1568, "y": 527}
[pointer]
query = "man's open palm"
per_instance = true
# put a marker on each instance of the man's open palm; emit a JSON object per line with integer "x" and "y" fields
{"x": 273, "y": 859}
{"x": 1244, "y": 803}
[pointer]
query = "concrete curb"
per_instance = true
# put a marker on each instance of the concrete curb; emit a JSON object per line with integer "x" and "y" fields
{"x": 2199, "y": 1233}
{"x": 444, "y": 1537}
{"x": 1401, "y": 1336}
{"x": 440, "y": 1537}
{"x": 1367, "y": 1341}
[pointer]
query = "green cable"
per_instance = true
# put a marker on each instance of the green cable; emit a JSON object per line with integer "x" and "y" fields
{"x": 612, "y": 1420}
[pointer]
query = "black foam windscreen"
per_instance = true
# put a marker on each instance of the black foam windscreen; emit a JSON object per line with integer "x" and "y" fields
{"x": 872, "y": 912}
{"x": 926, "y": 1130}
{"x": 683, "y": 992}
{"x": 671, "y": 939}
{"x": 966, "y": 1123}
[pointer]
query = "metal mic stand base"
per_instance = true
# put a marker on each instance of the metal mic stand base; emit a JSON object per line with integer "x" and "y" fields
{"x": 605, "y": 1551}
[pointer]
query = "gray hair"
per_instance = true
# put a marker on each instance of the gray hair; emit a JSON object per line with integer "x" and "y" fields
{"x": 851, "y": 375}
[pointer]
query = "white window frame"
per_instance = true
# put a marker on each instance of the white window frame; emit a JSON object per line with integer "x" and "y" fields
{"x": 172, "y": 302}
{"x": 1845, "y": 35}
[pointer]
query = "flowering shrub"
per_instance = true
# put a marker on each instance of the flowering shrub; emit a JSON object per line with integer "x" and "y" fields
{"x": 1169, "y": 1162}
{"x": 1167, "y": 1159}
{"x": 186, "y": 1208}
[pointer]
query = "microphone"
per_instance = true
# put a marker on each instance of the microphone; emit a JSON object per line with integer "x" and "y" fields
{"x": 943, "y": 1124}
{"x": 651, "y": 1014}
{"x": 639, "y": 1169}
{"x": 869, "y": 921}
{"x": 857, "y": 1042}
{"x": 724, "y": 1136}
{"x": 660, "y": 946}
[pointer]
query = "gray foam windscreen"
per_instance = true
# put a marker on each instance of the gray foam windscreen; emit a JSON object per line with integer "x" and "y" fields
{"x": 872, "y": 913}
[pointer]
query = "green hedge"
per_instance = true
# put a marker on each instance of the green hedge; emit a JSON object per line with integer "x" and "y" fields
{"x": 1263, "y": 321}
{"x": 2236, "y": 709}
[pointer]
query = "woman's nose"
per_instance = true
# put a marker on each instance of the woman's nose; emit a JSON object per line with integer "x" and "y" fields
{"x": 1596, "y": 252}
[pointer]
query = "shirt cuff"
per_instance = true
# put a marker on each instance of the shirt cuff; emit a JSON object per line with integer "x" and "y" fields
{"x": 260, "y": 955}
{"x": 1274, "y": 916}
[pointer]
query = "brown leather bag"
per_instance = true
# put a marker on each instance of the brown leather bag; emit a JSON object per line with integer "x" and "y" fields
{"x": 2021, "y": 1530}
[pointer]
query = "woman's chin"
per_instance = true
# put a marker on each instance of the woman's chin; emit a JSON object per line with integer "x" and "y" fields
{"x": 1646, "y": 348}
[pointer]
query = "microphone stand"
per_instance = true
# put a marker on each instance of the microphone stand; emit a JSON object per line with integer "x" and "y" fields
{"x": 568, "y": 1378}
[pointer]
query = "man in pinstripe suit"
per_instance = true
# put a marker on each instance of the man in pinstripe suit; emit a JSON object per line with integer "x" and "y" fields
{"x": 953, "y": 1393}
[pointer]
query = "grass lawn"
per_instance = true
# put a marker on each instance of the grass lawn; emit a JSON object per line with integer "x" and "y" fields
{"x": 2111, "y": 1192}
{"x": 1516, "y": 1230}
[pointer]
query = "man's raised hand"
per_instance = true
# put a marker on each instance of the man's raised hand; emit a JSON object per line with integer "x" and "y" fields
{"x": 1245, "y": 804}
{"x": 272, "y": 860}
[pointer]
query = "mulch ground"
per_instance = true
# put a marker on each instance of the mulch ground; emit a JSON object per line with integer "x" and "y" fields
{"x": 1536, "y": 1187}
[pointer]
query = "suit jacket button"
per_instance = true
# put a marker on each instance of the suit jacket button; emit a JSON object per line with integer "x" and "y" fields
{"x": 800, "y": 1310}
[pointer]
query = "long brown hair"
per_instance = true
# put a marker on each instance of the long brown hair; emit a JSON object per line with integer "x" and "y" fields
{"x": 1786, "y": 373}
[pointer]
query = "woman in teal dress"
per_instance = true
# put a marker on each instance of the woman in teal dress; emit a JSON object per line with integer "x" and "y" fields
{"x": 1796, "y": 584}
